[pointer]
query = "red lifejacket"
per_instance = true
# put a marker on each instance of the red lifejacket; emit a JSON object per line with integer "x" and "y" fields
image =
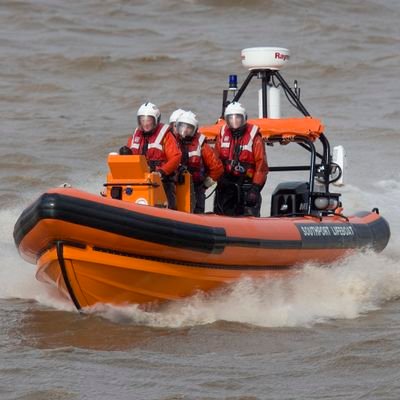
{"x": 155, "y": 154}
{"x": 193, "y": 159}
{"x": 243, "y": 163}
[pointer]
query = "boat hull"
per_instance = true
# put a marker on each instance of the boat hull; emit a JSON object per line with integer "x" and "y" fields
{"x": 87, "y": 276}
{"x": 108, "y": 251}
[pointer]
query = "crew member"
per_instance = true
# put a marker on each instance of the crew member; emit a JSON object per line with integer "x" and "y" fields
{"x": 241, "y": 149}
{"x": 154, "y": 140}
{"x": 172, "y": 120}
{"x": 198, "y": 158}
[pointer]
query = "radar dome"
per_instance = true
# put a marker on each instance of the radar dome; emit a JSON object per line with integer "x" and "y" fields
{"x": 273, "y": 58}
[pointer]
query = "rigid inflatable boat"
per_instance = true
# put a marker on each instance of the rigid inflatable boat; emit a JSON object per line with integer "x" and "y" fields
{"x": 126, "y": 247}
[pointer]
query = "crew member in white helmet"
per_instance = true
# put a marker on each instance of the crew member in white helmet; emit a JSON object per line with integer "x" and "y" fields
{"x": 197, "y": 157}
{"x": 172, "y": 120}
{"x": 155, "y": 140}
{"x": 241, "y": 149}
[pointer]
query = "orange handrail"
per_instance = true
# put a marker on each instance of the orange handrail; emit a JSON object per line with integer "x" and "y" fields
{"x": 285, "y": 127}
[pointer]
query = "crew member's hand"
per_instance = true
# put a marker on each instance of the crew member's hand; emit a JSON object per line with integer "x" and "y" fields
{"x": 125, "y": 151}
{"x": 161, "y": 172}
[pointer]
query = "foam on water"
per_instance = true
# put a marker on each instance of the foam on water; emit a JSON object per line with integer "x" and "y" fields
{"x": 18, "y": 277}
{"x": 383, "y": 194}
{"x": 345, "y": 289}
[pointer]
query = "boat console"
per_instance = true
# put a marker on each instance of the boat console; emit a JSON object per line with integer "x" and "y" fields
{"x": 289, "y": 199}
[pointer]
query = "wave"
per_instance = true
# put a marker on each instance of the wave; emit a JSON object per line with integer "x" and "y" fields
{"x": 160, "y": 58}
{"x": 41, "y": 88}
{"x": 95, "y": 63}
{"x": 248, "y": 4}
{"x": 112, "y": 31}
{"x": 326, "y": 71}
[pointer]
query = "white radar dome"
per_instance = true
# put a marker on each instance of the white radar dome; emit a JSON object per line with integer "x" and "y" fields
{"x": 265, "y": 57}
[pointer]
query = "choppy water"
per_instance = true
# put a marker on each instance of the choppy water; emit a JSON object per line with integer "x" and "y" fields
{"x": 71, "y": 77}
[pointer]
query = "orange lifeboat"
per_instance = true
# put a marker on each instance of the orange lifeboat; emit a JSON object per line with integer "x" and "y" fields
{"x": 126, "y": 247}
{"x": 119, "y": 250}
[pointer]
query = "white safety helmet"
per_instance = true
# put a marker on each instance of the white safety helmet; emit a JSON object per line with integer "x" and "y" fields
{"x": 175, "y": 115}
{"x": 235, "y": 115}
{"x": 187, "y": 124}
{"x": 149, "y": 109}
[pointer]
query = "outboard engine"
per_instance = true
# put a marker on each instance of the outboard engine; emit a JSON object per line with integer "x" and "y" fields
{"x": 290, "y": 198}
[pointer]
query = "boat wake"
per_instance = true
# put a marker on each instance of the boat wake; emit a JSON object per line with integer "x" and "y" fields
{"x": 314, "y": 294}
{"x": 18, "y": 277}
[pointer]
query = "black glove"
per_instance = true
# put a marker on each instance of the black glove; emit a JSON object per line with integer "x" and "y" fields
{"x": 125, "y": 151}
{"x": 252, "y": 196}
{"x": 180, "y": 177}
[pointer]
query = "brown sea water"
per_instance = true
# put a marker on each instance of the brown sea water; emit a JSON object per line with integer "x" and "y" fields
{"x": 72, "y": 75}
